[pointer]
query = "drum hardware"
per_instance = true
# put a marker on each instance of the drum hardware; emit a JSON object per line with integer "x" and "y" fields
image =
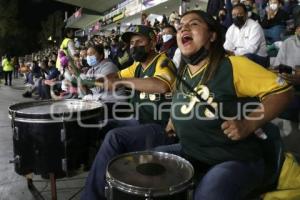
{"x": 149, "y": 176}
{"x": 62, "y": 135}
{"x": 16, "y": 133}
{"x": 16, "y": 161}
{"x": 48, "y": 139}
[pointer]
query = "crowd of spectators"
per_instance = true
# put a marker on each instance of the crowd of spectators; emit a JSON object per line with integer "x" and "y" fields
{"x": 250, "y": 28}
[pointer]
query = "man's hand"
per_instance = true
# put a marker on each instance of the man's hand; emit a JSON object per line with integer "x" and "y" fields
{"x": 236, "y": 129}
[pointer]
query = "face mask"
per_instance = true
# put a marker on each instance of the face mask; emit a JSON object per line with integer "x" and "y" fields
{"x": 167, "y": 37}
{"x": 249, "y": 13}
{"x": 273, "y": 6}
{"x": 91, "y": 60}
{"x": 238, "y": 21}
{"x": 194, "y": 59}
{"x": 139, "y": 53}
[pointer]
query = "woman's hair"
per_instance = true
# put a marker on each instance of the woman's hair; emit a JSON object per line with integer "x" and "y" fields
{"x": 216, "y": 51}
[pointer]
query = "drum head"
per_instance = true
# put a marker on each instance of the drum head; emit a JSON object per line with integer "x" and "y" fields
{"x": 150, "y": 172}
{"x": 52, "y": 110}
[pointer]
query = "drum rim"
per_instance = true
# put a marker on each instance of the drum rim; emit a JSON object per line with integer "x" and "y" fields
{"x": 153, "y": 192}
{"x": 45, "y": 117}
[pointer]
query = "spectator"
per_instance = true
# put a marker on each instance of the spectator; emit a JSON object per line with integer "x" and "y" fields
{"x": 50, "y": 75}
{"x": 245, "y": 37}
{"x": 169, "y": 45}
{"x": 67, "y": 45}
{"x": 274, "y": 21}
{"x": 250, "y": 10}
{"x": 150, "y": 81}
{"x": 99, "y": 67}
{"x": 7, "y": 69}
{"x": 173, "y": 16}
{"x": 213, "y": 7}
{"x": 289, "y": 55}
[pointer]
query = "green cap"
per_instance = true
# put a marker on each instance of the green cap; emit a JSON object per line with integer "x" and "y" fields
{"x": 138, "y": 30}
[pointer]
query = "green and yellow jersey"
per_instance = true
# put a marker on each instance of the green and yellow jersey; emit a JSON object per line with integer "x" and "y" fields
{"x": 237, "y": 86}
{"x": 152, "y": 107}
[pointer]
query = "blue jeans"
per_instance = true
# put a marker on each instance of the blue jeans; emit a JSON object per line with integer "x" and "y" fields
{"x": 230, "y": 180}
{"x": 274, "y": 33}
{"x": 263, "y": 61}
{"x": 136, "y": 137}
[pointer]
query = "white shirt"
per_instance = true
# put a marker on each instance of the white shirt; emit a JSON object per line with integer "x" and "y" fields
{"x": 249, "y": 39}
{"x": 177, "y": 58}
{"x": 289, "y": 52}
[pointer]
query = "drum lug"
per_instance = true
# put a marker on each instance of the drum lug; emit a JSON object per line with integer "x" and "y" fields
{"x": 107, "y": 193}
{"x": 16, "y": 160}
{"x": 62, "y": 135}
{"x": 16, "y": 133}
{"x": 64, "y": 164}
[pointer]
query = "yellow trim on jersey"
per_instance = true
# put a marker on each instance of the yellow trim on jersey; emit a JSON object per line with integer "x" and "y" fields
{"x": 197, "y": 72}
{"x": 252, "y": 80}
{"x": 128, "y": 72}
{"x": 144, "y": 69}
{"x": 165, "y": 72}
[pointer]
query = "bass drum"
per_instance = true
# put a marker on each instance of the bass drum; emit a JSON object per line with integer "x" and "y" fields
{"x": 53, "y": 136}
{"x": 149, "y": 176}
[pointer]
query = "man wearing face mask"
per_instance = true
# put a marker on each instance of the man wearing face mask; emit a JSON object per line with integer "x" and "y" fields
{"x": 274, "y": 21}
{"x": 251, "y": 14}
{"x": 150, "y": 77}
{"x": 289, "y": 55}
{"x": 245, "y": 37}
{"x": 169, "y": 41}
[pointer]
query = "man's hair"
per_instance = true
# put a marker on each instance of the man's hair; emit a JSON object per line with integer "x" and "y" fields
{"x": 240, "y": 5}
{"x": 98, "y": 48}
{"x": 171, "y": 27}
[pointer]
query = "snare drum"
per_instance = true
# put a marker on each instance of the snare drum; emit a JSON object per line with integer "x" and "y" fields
{"x": 149, "y": 176}
{"x": 50, "y": 137}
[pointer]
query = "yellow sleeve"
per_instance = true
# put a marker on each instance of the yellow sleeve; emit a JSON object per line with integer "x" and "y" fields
{"x": 129, "y": 71}
{"x": 163, "y": 70}
{"x": 252, "y": 80}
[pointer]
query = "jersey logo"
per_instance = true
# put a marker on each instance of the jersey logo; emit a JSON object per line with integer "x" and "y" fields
{"x": 204, "y": 93}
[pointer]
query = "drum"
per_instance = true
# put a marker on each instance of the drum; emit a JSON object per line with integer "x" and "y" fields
{"x": 149, "y": 176}
{"x": 52, "y": 136}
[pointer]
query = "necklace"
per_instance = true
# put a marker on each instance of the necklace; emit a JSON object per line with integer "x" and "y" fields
{"x": 186, "y": 92}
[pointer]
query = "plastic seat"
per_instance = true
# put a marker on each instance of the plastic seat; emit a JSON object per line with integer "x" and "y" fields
{"x": 273, "y": 152}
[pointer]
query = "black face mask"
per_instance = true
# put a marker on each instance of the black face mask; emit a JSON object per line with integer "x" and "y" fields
{"x": 194, "y": 59}
{"x": 239, "y": 21}
{"x": 139, "y": 53}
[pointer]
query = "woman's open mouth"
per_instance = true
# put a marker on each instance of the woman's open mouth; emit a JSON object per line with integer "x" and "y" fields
{"x": 186, "y": 39}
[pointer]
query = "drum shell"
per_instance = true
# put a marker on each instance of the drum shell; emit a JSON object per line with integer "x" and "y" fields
{"x": 48, "y": 136}
{"x": 57, "y": 147}
{"x": 116, "y": 194}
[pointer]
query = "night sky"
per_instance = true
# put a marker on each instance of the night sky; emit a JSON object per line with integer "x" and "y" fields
{"x": 33, "y": 12}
